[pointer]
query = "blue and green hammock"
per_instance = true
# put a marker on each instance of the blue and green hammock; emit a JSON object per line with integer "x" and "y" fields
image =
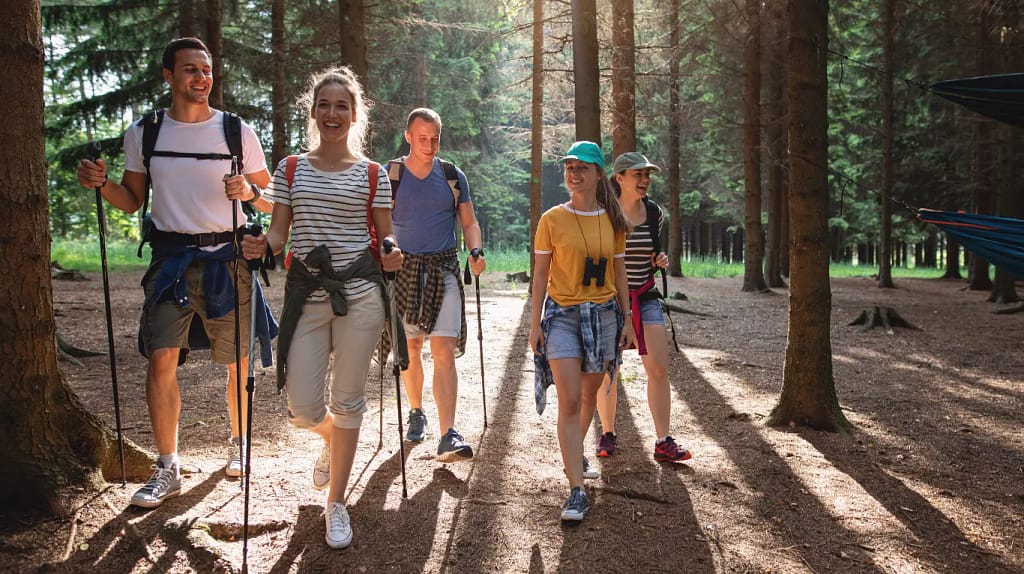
{"x": 1000, "y": 240}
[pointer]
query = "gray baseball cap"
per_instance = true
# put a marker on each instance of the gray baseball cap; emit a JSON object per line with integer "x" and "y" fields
{"x": 632, "y": 160}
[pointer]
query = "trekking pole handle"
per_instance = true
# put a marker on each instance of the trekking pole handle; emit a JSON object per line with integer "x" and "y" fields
{"x": 476, "y": 252}
{"x": 389, "y": 246}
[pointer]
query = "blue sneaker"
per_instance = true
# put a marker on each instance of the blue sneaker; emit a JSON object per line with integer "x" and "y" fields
{"x": 577, "y": 506}
{"x": 453, "y": 448}
{"x": 417, "y": 424}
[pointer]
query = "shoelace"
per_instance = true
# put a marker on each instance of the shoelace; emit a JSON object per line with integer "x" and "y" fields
{"x": 338, "y": 517}
{"x": 160, "y": 480}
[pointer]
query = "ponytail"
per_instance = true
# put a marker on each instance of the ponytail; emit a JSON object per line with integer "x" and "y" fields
{"x": 606, "y": 199}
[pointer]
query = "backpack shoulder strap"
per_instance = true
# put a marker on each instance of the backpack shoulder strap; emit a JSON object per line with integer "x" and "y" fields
{"x": 372, "y": 174}
{"x": 150, "y": 123}
{"x": 654, "y": 216}
{"x": 233, "y": 136}
{"x": 396, "y": 168}
{"x": 451, "y": 173}
{"x": 290, "y": 163}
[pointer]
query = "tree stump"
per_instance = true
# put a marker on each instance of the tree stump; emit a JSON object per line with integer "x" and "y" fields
{"x": 885, "y": 317}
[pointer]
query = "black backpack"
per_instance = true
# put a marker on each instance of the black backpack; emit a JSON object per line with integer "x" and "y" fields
{"x": 654, "y": 215}
{"x": 396, "y": 168}
{"x": 151, "y": 123}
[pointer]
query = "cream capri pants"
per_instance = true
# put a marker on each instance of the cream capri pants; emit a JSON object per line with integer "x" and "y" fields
{"x": 351, "y": 339}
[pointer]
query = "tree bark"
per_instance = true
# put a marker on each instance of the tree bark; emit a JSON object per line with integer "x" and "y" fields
{"x": 215, "y": 42}
{"x": 675, "y": 224}
{"x": 352, "y": 22}
{"x": 537, "y": 125}
{"x": 982, "y": 153}
{"x": 186, "y": 18}
{"x": 776, "y": 143}
{"x": 50, "y": 442}
{"x": 278, "y": 107}
{"x": 885, "y": 260}
{"x": 586, "y": 72}
{"x": 623, "y": 78}
{"x": 753, "y": 258}
{"x": 808, "y": 389}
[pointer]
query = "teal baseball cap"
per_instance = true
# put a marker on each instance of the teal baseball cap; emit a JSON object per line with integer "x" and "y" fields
{"x": 585, "y": 151}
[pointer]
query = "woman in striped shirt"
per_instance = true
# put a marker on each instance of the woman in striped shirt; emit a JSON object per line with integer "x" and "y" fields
{"x": 334, "y": 298}
{"x": 631, "y": 177}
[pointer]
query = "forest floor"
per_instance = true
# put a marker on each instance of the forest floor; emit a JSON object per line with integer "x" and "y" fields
{"x": 931, "y": 479}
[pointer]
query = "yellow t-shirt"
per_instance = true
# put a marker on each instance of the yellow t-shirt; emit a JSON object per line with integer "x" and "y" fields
{"x": 571, "y": 236}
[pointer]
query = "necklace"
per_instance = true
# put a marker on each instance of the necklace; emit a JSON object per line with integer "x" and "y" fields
{"x": 586, "y": 246}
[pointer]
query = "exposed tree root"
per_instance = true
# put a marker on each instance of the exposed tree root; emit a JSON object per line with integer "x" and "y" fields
{"x": 680, "y": 309}
{"x": 631, "y": 493}
{"x": 197, "y": 542}
{"x": 76, "y": 351}
{"x": 886, "y": 317}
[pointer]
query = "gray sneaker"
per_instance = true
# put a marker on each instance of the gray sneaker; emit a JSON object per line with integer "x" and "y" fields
{"x": 322, "y": 469}
{"x": 234, "y": 468}
{"x": 452, "y": 448}
{"x": 577, "y": 506}
{"x": 164, "y": 484}
{"x": 589, "y": 471}
{"x": 417, "y": 426}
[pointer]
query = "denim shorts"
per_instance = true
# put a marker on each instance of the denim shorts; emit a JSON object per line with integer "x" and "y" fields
{"x": 449, "y": 317}
{"x": 651, "y": 313}
{"x": 565, "y": 338}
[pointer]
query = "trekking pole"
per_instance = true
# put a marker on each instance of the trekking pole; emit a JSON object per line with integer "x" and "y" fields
{"x": 380, "y": 364}
{"x": 102, "y": 220}
{"x": 474, "y": 253}
{"x": 235, "y": 206}
{"x": 390, "y": 277}
{"x": 250, "y": 388}
{"x": 668, "y": 314}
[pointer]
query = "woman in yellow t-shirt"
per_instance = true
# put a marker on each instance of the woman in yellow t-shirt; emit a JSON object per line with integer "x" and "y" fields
{"x": 580, "y": 276}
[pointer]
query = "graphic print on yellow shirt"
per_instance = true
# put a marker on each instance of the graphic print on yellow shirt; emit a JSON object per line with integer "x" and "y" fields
{"x": 559, "y": 234}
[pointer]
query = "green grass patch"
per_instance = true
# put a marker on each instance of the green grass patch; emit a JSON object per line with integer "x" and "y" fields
{"x": 84, "y": 255}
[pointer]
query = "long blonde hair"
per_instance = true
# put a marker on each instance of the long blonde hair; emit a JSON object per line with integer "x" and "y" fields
{"x": 346, "y": 78}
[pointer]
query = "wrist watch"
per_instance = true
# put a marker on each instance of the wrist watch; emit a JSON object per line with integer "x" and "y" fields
{"x": 256, "y": 192}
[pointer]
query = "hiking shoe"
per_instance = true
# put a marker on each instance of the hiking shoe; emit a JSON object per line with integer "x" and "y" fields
{"x": 339, "y": 528}
{"x": 668, "y": 451}
{"x": 452, "y": 448}
{"x": 606, "y": 444}
{"x": 234, "y": 467}
{"x": 164, "y": 484}
{"x": 322, "y": 469}
{"x": 576, "y": 506}
{"x": 588, "y": 471}
{"x": 417, "y": 424}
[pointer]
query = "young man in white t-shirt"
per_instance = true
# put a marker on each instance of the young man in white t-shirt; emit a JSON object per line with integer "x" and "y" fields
{"x": 192, "y": 247}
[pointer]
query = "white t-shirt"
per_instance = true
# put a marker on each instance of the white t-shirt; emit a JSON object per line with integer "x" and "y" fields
{"x": 329, "y": 208}
{"x": 188, "y": 194}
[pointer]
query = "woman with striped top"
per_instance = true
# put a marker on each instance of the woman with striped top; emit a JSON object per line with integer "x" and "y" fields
{"x": 334, "y": 300}
{"x": 631, "y": 177}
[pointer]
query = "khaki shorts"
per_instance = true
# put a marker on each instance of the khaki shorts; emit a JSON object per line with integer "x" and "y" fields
{"x": 166, "y": 325}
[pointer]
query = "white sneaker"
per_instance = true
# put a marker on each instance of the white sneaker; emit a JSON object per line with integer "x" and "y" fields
{"x": 165, "y": 483}
{"x": 234, "y": 468}
{"x": 322, "y": 469}
{"x": 589, "y": 472}
{"x": 339, "y": 529}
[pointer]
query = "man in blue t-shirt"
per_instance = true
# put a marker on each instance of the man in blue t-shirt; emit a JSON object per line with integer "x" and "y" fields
{"x": 431, "y": 197}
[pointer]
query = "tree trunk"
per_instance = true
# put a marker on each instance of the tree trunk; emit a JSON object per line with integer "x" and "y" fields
{"x": 352, "y": 22}
{"x": 278, "y": 107}
{"x": 675, "y": 223}
{"x": 50, "y": 443}
{"x": 753, "y": 258}
{"x": 586, "y": 73}
{"x": 885, "y": 261}
{"x": 952, "y": 259}
{"x": 776, "y": 142}
{"x": 537, "y": 125}
{"x": 808, "y": 390}
{"x": 982, "y": 160}
{"x": 215, "y": 42}
{"x": 186, "y": 18}
{"x": 623, "y": 78}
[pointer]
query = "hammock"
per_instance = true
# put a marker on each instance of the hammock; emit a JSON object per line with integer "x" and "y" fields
{"x": 999, "y": 240}
{"x": 1000, "y": 97}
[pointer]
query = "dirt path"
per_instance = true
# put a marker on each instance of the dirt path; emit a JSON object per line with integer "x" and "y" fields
{"x": 931, "y": 480}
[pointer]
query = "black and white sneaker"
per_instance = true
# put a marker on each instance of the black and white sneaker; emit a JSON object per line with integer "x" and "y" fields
{"x": 452, "y": 447}
{"x": 577, "y": 506}
{"x": 165, "y": 483}
{"x": 416, "y": 426}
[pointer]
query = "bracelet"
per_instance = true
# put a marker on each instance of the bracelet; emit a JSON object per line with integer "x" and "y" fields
{"x": 627, "y": 313}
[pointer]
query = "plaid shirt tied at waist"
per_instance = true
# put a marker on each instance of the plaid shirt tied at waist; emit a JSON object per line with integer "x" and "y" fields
{"x": 594, "y": 359}
{"x": 419, "y": 291}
